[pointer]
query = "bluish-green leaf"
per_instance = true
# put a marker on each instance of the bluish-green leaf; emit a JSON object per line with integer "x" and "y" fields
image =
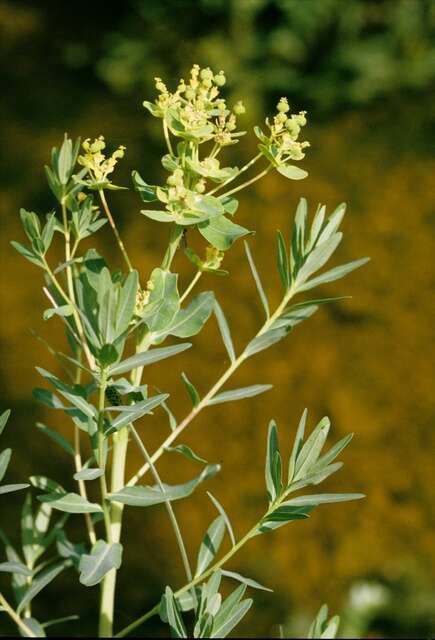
{"x": 148, "y": 357}
{"x": 292, "y": 172}
{"x": 140, "y": 496}
{"x": 5, "y": 457}
{"x": 240, "y": 394}
{"x": 283, "y": 262}
{"x": 224, "y": 330}
{"x": 210, "y": 545}
{"x": 3, "y": 419}
{"x": 333, "y": 274}
{"x": 187, "y": 452}
{"x": 248, "y": 581}
{"x": 272, "y": 486}
{"x": 70, "y": 503}
{"x": 221, "y": 232}
{"x": 39, "y": 583}
{"x": 103, "y": 558}
{"x": 257, "y": 280}
{"x": 191, "y": 390}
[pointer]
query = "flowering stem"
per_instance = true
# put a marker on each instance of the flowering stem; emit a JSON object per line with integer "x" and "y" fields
{"x": 15, "y": 617}
{"x": 114, "y": 228}
{"x": 248, "y": 182}
{"x": 247, "y": 166}
{"x": 191, "y": 286}
{"x": 212, "y": 392}
{"x": 167, "y": 138}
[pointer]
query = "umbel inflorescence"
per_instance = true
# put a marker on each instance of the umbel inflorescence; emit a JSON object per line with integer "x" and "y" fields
{"x": 116, "y": 323}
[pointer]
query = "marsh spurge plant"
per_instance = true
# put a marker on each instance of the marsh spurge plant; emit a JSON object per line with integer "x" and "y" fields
{"x": 119, "y": 322}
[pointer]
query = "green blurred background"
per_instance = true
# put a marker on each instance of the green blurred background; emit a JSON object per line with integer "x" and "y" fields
{"x": 365, "y": 72}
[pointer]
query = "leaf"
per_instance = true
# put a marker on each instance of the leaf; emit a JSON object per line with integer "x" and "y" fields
{"x": 140, "y": 496}
{"x": 332, "y": 453}
{"x": 9, "y": 488}
{"x": 46, "y": 484}
{"x": 248, "y": 581}
{"x": 186, "y": 452}
{"x": 281, "y": 516}
{"x": 3, "y": 419}
{"x": 56, "y": 437}
{"x": 30, "y": 255}
{"x": 188, "y": 322}
{"x": 99, "y": 562}
{"x": 88, "y": 474}
{"x": 39, "y": 583}
{"x": 126, "y": 304}
{"x": 333, "y": 223}
{"x": 164, "y": 301}
{"x": 221, "y": 232}
{"x": 222, "y": 511}
{"x": 282, "y": 262}
{"x": 222, "y": 628}
{"x": 333, "y": 274}
{"x": 15, "y": 567}
{"x": 311, "y": 449}
{"x": 224, "y": 330}
{"x": 175, "y": 621}
{"x": 321, "y": 498}
{"x": 131, "y": 413}
{"x": 210, "y": 545}
{"x": 146, "y": 191}
{"x": 70, "y": 503}
{"x": 273, "y": 484}
{"x": 27, "y": 530}
{"x": 35, "y": 627}
{"x": 148, "y": 357}
{"x": 191, "y": 390}
{"x": 292, "y": 172}
{"x": 265, "y": 340}
{"x": 297, "y": 446}
{"x": 64, "y": 311}
{"x": 5, "y": 457}
{"x": 318, "y": 257}
{"x": 240, "y": 394}
{"x": 257, "y": 280}
{"x": 73, "y": 394}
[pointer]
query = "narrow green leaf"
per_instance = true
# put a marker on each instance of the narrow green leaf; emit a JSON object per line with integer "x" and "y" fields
{"x": 186, "y": 452}
{"x": 56, "y": 437}
{"x": 88, "y": 474}
{"x": 266, "y": 339}
{"x": 333, "y": 452}
{"x": 333, "y": 274}
{"x": 318, "y": 257}
{"x": 224, "y": 330}
{"x": 131, "y": 413}
{"x": 297, "y": 446}
{"x": 103, "y": 558}
{"x": 34, "y": 626}
{"x": 175, "y": 621}
{"x": 225, "y": 627}
{"x": 3, "y": 419}
{"x": 126, "y": 304}
{"x": 240, "y": 394}
{"x": 248, "y": 581}
{"x": 148, "y": 357}
{"x": 311, "y": 449}
{"x": 9, "y": 488}
{"x": 257, "y": 280}
{"x": 70, "y": 503}
{"x": 333, "y": 223}
{"x": 223, "y": 513}
{"x": 140, "y": 496}
{"x": 273, "y": 487}
{"x": 210, "y": 545}
{"x": 5, "y": 457}
{"x": 188, "y": 322}
{"x": 322, "y": 498}
{"x": 191, "y": 390}
{"x": 39, "y": 583}
{"x": 282, "y": 262}
{"x": 15, "y": 567}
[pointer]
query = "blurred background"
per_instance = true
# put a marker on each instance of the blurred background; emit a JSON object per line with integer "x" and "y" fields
{"x": 365, "y": 72}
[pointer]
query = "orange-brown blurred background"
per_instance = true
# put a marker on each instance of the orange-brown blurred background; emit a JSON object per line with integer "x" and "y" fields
{"x": 365, "y": 71}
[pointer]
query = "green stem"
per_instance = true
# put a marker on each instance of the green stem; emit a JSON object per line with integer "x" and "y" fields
{"x": 212, "y": 392}
{"x": 167, "y": 138}
{"x": 114, "y": 229}
{"x": 107, "y": 586}
{"x": 174, "y": 241}
{"x": 16, "y": 618}
{"x": 248, "y": 182}
{"x": 169, "y": 508}
{"x": 247, "y": 166}
{"x": 191, "y": 286}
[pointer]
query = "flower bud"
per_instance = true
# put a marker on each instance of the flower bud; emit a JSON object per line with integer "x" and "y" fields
{"x": 283, "y": 105}
{"x": 220, "y": 79}
{"x": 239, "y": 108}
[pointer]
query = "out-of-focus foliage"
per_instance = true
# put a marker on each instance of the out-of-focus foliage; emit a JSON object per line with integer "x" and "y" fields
{"x": 60, "y": 61}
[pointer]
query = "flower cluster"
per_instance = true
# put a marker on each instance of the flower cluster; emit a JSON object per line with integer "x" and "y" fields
{"x": 196, "y": 110}
{"x": 282, "y": 144}
{"x": 97, "y": 163}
